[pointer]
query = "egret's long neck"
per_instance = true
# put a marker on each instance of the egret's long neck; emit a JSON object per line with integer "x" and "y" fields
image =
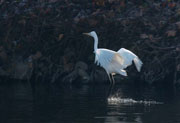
{"x": 95, "y": 42}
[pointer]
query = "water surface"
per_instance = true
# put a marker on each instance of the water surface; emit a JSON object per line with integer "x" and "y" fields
{"x": 19, "y": 103}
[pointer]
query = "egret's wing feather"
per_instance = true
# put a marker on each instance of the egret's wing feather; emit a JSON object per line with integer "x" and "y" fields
{"x": 116, "y": 65}
{"x": 103, "y": 57}
{"x": 128, "y": 57}
{"x": 110, "y": 60}
{"x": 118, "y": 58}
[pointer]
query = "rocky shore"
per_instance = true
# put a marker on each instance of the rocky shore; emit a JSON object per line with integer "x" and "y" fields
{"x": 42, "y": 40}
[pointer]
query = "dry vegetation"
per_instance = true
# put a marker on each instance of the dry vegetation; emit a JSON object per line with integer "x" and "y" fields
{"x": 43, "y": 39}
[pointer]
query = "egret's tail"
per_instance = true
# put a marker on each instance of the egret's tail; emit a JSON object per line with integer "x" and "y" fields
{"x": 138, "y": 63}
{"x": 123, "y": 72}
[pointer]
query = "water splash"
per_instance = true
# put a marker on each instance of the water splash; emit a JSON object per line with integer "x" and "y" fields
{"x": 129, "y": 101}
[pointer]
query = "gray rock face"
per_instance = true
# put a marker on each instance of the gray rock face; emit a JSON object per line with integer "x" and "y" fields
{"x": 21, "y": 71}
{"x": 80, "y": 71}
{"x": 18, "y": 69}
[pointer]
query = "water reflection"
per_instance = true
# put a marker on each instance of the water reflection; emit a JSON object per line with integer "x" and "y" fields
{"x": 86, "y": 104}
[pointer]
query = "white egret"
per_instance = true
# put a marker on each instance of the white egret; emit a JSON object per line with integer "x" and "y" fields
{"x": 114, "y": 62}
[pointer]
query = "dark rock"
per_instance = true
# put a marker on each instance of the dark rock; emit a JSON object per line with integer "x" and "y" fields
{"x": 22, "y": 71}
{"x": 99, "y": 76}
{"x": 80, "y": 71}
{"x": 47, "y": 35}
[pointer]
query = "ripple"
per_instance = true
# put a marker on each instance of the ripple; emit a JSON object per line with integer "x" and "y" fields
{"x": 129, "y": 101}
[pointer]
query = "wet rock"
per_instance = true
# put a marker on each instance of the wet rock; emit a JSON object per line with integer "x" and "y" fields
{"x": 3, "y": 55}
{"x": 80, "y": 16}
{"x": 17, "y": 69}
{"x": 70, "y": 77}
{"x": 99, "y": 76}
{"x": 3, "y": 72}
{"x": 81, "y": 65}
{"x": 68, "y": 61}
{"x": 37, "y": 55}
{"x": 21, "y": 70}
{"x": 80, "y": 72}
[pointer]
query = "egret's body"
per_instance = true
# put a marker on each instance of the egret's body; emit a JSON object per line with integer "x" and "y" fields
{"x": 114, "y": 62}
{"x": 110, "y": 60}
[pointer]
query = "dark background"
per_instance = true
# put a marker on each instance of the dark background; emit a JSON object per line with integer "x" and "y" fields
{"x": 41, "y": 40}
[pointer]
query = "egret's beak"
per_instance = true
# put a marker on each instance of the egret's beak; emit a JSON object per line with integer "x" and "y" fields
{"x": 86, "y": 34}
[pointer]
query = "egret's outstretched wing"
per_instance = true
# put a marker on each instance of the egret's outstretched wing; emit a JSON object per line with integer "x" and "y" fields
{"x": 104, "y": 57}
{"x": 110, "y": 60}
{"x": 128, "y": 57}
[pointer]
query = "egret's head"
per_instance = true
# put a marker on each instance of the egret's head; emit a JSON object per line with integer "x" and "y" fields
{"x": 92, "y": 34}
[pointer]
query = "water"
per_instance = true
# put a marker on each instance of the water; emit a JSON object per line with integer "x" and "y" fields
{"x": 19, "y": 103}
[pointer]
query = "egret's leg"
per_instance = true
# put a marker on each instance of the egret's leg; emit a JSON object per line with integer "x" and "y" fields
{"x": 109, "y": 78}
{"x": 111, "y": 85}
{"x": 110, "y": 88}
{"x": 113, "y": 81}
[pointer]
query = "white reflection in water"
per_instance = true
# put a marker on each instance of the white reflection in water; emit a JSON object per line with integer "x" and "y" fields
{"x": 128, "y": 101}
